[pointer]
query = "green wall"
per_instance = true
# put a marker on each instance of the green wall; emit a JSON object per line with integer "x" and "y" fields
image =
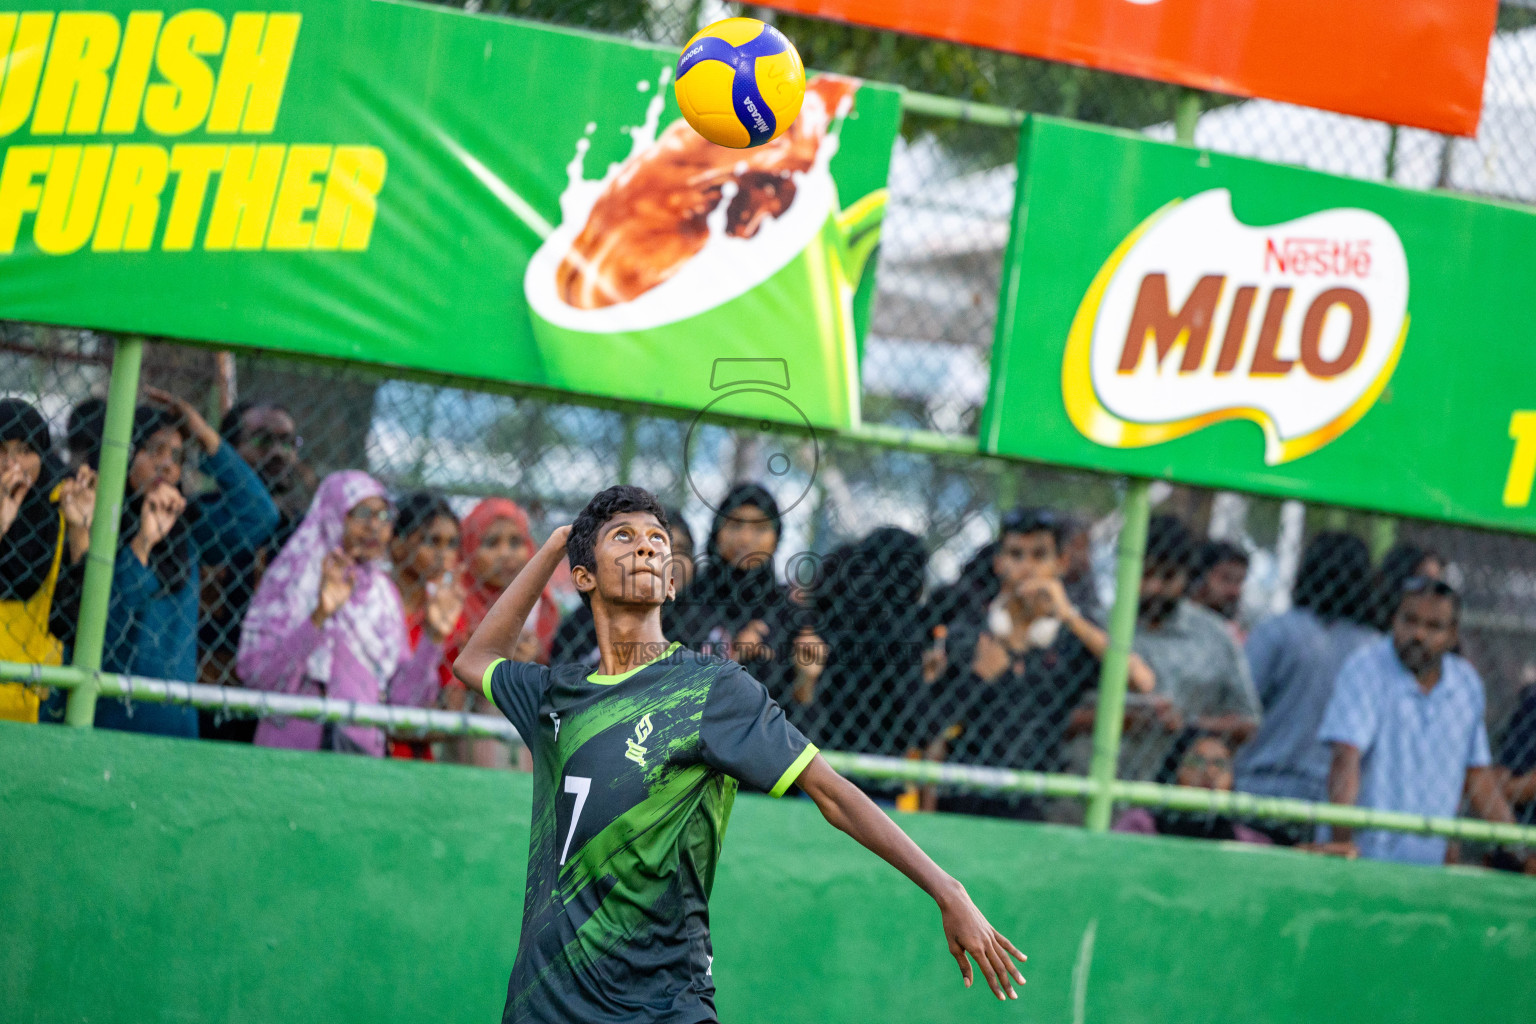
{"x": 158, "y": 880}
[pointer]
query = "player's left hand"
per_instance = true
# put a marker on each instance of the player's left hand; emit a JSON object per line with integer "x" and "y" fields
{"x": 968, "y": 931}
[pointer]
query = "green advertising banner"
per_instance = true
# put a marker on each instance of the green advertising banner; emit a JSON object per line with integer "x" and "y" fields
{"x": 424, "y": 189}
{"x": 1168, "y": 312}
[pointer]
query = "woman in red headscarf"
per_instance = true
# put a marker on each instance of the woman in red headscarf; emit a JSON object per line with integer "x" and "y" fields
{"x": 495, "y": 544}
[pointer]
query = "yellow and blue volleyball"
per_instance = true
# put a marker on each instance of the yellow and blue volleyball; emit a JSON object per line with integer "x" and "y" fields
{"x": 740, "y": 83}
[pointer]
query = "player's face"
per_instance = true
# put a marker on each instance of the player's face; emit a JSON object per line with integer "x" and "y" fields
{"x": 747, "y": 537}
{"x": 1026, "y": 556}
{"x": 365, "y": 537}
{"x": 502, "y": 553}
{"x": 633, "y": 554}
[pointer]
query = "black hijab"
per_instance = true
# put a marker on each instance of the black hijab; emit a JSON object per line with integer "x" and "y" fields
{"x": 871, "y": 698}
{"x": 727, "y": 597}
{"x": 28, "y": 546}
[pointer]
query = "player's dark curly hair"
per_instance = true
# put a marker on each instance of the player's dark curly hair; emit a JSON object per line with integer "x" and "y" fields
{"x": 581, "y": 545}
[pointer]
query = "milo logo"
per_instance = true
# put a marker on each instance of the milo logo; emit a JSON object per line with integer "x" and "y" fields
{"x": 1197, "y": 319}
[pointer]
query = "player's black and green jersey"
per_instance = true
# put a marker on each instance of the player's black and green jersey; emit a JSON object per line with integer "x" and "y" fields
{"x": 634, "y": 776}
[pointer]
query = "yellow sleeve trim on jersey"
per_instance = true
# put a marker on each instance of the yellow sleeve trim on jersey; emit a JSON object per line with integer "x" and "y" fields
{"x": 485, "y": 681}
{"x": 793, "y": 771}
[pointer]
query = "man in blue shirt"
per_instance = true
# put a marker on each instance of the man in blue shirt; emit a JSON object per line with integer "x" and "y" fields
{"x": 1406, "y": 727}
{"x": 1295, "y": 658}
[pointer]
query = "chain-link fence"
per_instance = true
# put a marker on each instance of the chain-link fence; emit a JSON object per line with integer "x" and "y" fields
{"x": 926, "y": 605}
{"x": 942, "y": 608}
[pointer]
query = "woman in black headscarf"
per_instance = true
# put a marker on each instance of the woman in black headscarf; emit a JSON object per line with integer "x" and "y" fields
{"x": 871, "y": 696}
{"x": 165, "y": 539}
{"x": 736, "y": 606}
{"x": 45, "y": 529}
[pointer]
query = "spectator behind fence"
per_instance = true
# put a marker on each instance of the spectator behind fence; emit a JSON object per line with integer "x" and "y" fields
{"x": 45, "y": 533}
{"x": 266, "y": 436}
{"x": 1021, "y": 664}
{"x": 1398, "y": 565}
{"x": 1201, "y": 760}
{"x": 863, "y": 689}
{"x": 425, "y": 555}
{"x": 1517, "y": 756}
{"x": 424, "y": 550}
{"x": 1202, "y": 676}
{"x": 263, "y": 434}
{"x": 152, "y": 615}
{"x": 327, "y": 621}
{"x": 1220, "y": 571}
{"x": 1295, "y": 658}
{"x": 736, "y": 607}
{"x": 1077, "y": 577}
{"x": 1406, "y": 727}
{"x": 496, "y": 544}
{"x": 82, "y": 434}
{"x": 576, "y": 639}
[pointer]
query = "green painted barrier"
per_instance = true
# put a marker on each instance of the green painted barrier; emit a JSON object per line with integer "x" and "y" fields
{"x": 158, "y": 880}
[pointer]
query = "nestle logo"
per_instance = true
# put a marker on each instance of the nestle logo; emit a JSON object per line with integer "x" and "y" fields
{"x": 1318, "y": 257}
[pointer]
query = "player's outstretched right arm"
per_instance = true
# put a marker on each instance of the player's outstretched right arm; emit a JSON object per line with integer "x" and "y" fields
{"x": 967, "y": 931}
{"x": 497, "y": 636}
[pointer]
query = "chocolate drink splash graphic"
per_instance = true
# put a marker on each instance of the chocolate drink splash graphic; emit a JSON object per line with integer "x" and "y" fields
{"x": 654, "y": 216}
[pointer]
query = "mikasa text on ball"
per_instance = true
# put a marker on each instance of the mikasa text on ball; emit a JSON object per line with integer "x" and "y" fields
{"x": 740, "y": 83}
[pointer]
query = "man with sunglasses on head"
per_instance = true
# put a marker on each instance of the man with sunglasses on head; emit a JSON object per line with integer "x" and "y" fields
{"x": 1406, "y": 728}
{"x": 263, "y": 433}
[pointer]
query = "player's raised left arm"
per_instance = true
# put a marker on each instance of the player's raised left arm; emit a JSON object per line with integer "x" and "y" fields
{"x": 966, "y": 930}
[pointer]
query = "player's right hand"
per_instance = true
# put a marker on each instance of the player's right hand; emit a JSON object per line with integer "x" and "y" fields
{"x": 559, "y": 538}
{"x": 967, "y": 931}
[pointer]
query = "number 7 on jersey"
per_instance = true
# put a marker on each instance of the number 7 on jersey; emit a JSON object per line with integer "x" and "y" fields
{"x": 580, "y": 786}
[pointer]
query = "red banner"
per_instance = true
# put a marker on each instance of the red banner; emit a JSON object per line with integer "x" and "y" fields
{"x": 1409, "y": 62}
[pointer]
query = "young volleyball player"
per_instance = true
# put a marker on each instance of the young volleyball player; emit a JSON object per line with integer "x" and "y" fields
{"x": 635, "y": 770}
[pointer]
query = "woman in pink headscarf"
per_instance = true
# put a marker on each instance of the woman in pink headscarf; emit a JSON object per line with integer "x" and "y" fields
{"x": 495, "y": 543}
{"x": 327, "y": 621}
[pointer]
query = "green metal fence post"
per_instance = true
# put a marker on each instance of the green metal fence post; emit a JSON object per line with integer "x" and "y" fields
{"x": 112, "y": 479}
{"x": 1185, "y": 116}
{"x": 1136, "y": 510}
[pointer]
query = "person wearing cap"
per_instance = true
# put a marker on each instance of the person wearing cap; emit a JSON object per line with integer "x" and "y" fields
{"x": 45, "y": 532}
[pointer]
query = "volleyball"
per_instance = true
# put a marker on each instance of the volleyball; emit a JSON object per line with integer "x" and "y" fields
{"x": 740, "y": 83}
